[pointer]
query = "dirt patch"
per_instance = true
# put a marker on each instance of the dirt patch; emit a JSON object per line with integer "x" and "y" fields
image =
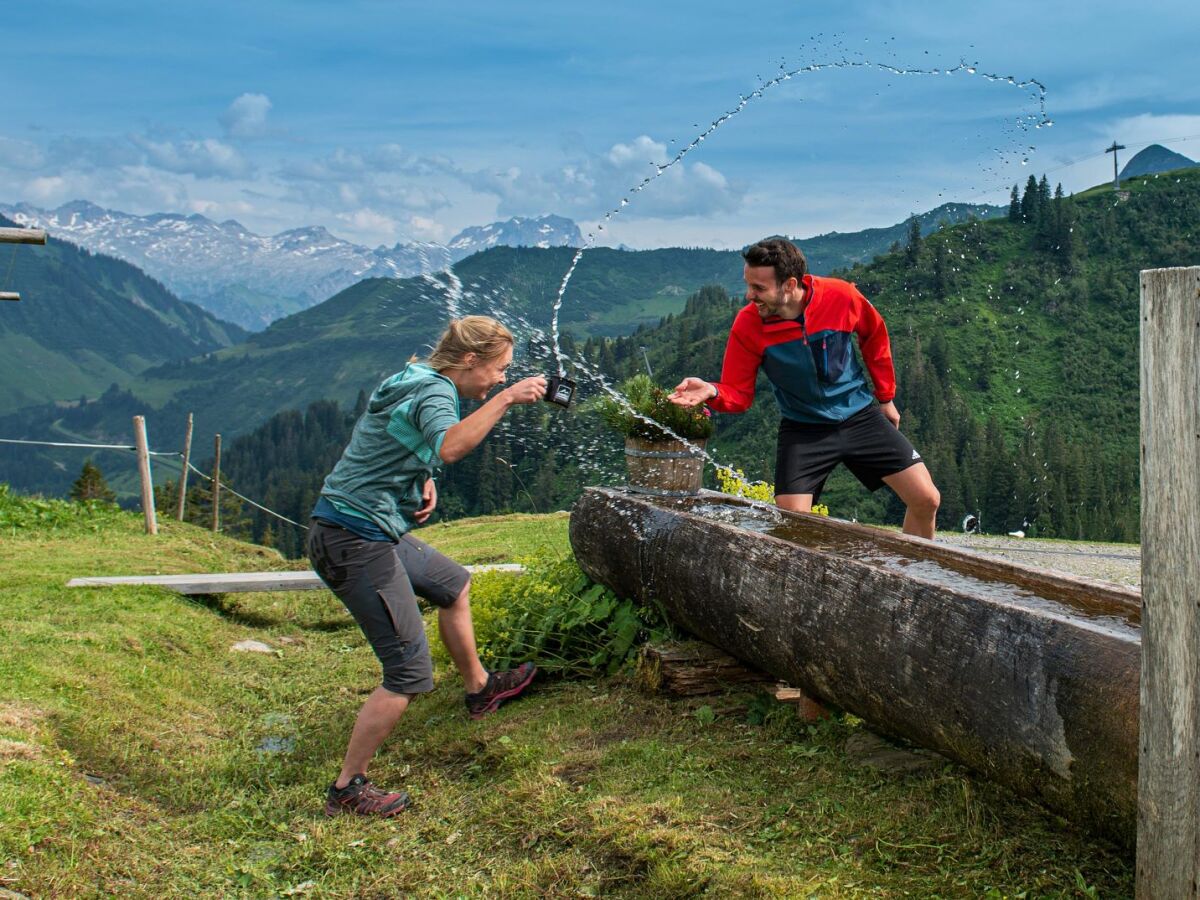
{"x": 10, "y": 750}
{"x": 21, "y": 716}
{"x": 634, "y": 723}
{"x": 575, "y": 773}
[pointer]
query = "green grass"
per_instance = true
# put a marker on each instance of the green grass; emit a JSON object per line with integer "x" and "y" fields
{"x": 139, "y": 757}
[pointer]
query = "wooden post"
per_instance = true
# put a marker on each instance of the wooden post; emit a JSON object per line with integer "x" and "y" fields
{"x": 1168, "y": 838}
{"x": 22, "y": 236}
{"x": 216, "y": 484}
{"x": 183, "y": 476}
{"x": 143, "y": 455}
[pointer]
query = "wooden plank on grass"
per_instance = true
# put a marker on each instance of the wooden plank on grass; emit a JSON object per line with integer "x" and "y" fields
{"x": 242, "y": 582}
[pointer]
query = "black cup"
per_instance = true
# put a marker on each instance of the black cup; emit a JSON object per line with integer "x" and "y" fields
{"x": 559, "y": 390}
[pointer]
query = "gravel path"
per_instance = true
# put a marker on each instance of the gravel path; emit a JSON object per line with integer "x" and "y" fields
{"x": 1118, "y": 563}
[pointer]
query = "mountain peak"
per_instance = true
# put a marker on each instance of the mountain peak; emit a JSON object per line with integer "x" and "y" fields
{"x": 1154, "y": 159}
{"x": 519, "y": 231}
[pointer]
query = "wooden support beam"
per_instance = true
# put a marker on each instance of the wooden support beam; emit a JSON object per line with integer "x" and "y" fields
{"x": 693, "y": 668}
{"x": 1168, "y": 833}
{"x": 22, "y": 236}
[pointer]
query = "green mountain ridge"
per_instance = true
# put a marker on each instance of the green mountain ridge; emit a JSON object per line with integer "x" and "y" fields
{"x": 87, "y": 321}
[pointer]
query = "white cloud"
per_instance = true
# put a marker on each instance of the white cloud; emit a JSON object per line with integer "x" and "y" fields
{"x": 21, "y": 155}
{"x": 46, "y": 190}
{"x": 246, "y": 117}
{"x": 385, "y": 177}
{"x": 369, "y": 221}
{"x": 423, "y": 229}
{"x": 640, "y": 171}
{"x": 1148, "y": 128}
{"x": 205, "y": 158}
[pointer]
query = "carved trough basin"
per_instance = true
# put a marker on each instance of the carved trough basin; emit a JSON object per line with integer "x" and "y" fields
{"x": 1027, "y": 677}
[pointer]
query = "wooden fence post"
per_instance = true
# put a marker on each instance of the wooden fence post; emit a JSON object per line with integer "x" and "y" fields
{"x": 216, "y": 484}
{"x": 143, "y": 457}
{"x": 1168, "y": 861}
{"x": 183, "y": 476}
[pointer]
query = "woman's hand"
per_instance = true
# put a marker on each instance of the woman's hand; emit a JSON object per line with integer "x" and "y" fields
{"x": 429, "y": 494}
{"x": 528, "y": 390}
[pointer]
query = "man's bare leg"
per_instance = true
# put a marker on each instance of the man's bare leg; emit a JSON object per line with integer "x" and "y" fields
{"x": 914, "y": 486}
{"x": 794, "y": 502}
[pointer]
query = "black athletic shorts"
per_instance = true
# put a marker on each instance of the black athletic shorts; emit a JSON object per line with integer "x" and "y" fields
{"x": 379, "y": 582}
{"x": 870, "y": 446}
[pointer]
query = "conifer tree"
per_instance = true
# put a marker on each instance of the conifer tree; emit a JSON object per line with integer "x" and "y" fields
{"x": 1029, "y": 201}
{"x": 1014, "y": 205}
{"x": 90, "y": 485}
{"x": 912, "y": 250}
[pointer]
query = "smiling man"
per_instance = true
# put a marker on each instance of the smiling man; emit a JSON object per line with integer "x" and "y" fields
{"x": 797, "y": 328}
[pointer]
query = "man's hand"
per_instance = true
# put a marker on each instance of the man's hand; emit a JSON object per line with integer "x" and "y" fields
{"x": 528, "y": 390}
{"x": 692, "y": 392}
{"x": 429, "y": 494}
{"x": 891, "y": 413}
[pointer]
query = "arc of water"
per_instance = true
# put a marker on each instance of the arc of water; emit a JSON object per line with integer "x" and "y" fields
{"x": 1039, "y": 121}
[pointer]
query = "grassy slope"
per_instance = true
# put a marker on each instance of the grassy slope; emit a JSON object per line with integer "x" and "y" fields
{"x": 583, "y": 789}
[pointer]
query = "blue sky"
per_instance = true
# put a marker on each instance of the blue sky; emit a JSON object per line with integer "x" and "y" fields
{"x": 388, "y": 121}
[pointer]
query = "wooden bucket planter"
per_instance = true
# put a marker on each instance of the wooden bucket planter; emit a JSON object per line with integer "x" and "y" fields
{"x": 664, "y": 468}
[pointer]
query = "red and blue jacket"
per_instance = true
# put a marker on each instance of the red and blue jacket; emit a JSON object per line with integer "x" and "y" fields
{"x": 810, "y": 361}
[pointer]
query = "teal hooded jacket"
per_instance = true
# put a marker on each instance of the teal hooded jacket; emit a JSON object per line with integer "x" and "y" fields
{"x": 394, "y": 449}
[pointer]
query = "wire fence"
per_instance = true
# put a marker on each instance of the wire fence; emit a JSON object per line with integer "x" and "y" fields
{"x": 166, "y": 457}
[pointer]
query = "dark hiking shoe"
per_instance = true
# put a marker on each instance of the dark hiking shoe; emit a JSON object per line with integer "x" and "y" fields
{"x": 500, "y": 686}
{"x": 362, "y": 798}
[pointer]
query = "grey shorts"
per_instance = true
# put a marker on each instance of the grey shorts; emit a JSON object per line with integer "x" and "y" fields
{"x": 379, "y": 583}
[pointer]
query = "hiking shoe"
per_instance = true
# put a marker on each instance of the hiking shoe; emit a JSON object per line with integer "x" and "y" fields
{"x": 362, "y": 798}
{"x": 500, "y": 686}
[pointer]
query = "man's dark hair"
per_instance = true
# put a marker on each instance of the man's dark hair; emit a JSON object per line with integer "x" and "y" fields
{"x": 783, "y": 256}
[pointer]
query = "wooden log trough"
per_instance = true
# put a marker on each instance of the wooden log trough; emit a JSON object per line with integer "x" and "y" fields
{"x": 1027, "y": 677}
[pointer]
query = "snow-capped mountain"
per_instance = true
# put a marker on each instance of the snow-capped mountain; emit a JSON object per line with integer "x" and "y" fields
{"x": 544, "y": 231}
{"x": 253, "y": 279}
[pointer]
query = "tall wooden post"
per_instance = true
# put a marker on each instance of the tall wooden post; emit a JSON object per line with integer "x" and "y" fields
{"x": 183, "y": 476}
{"x": 1168, "y": 842}
{"x": 143, "y": 457}
{"x": 216, "y": 485}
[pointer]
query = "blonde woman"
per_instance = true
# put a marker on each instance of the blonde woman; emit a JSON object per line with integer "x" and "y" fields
{"x": 360, "y": 544}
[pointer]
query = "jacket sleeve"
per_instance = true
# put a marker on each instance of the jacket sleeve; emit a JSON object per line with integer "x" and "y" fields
{"x": 876, "y": 347}
{"x": 735, "y": 390}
